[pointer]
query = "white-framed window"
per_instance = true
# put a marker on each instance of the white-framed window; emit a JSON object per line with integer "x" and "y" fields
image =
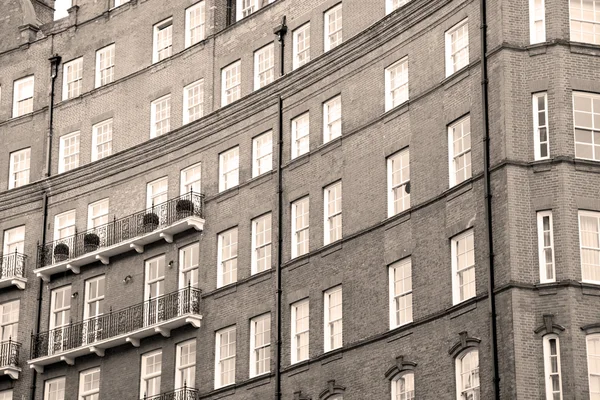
{"x": 300, "y": 331}
{"x": 231, "y": 83}
{"x": 333, "y": 213}
{"x": 540, "y": 126}
{"x": 403, "y": 386}
{"x": 264, "y": 66}
{"x": 23, "y": 96}
{"x": 333, "y": 27}
{"x": 537, "y": 21}
{"x": 396, "y": 84}
{"x": 585, "y": 21}
{"x": 163, "y": 40}
{"x": 94, "y": 297}
{"x": 459, "y": 150}
{"x": 401, "y": 308}
{"x": 160, "y": 117}
{"x": 9, "y": 322}
{"x": 244, "y": 8}
{"x": 105, "y": 65}
{"x": 89, "y": 384}
{"x": 301, "y": 46}
{"x": 457, "y": 47}
{"x": 68, "y": 157}
{"x": 261, "y": 243}
{"x": 102, "y": 139}
{"x": 467, "y": 375}
{"x": 193, "y": 101}
{"x": 14, "y": 240}
{"x": 552, "y": 367}
{"x": 6, "y": 394}
{"x": 593, "y": 364}
{"x": 64, "y": 225}
{"x": 262, "y": 154}
{"x": 586, "y": 121}
{"x": 227, "y": 257}
{"x": 463, "y": 266}
{"x": 72, "y": 78}
{"x": 300, "y": 227}
{"x": 300, "y": 135}
{"x": 18, "y": 174}
{"x": 98, "y": 213}
{"x": 546, "y": 246}
{"x": 225, "y": 357}
{"x": 589, "y": 239}
{"x": 157, "y": 192}
{"x": 398, "y": 166}
{"x": 229, "y": 168}
{"x": 154, "y": 286}
{"x": 191, "y": 179}
{"x": 150, "y": 376}
{"x": 60, "y": 307}
{"x": 54, "y": 389}
{"x": 333, "y": 319}
{"x": 390, "y": 6}
{"x": 185, "y": 364}
{"x": 332, "y": 119}
{"x": 188, "y": 265}
{"x": 195, "y": 20}
{"x": 260, "y": 345}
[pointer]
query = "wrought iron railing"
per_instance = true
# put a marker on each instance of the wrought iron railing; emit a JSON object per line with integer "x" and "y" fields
{"x": 120, "y": 230}
{"x": 9, "y": 353}
{"x": 12, "y": 265}
{"x": 184, "y": 393}
{"x": 115, "y": 323}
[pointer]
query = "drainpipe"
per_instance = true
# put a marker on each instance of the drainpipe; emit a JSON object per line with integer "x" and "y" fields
{"x": 488, "y": 199}
{"x": 280, "y": 31}
{"x": 54, "y": 62}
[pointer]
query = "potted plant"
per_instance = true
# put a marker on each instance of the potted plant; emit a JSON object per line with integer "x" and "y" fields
{"x": 91, "y": 242}
{"x": 61, "y": 252}
{"x": 184, "y": 208}
{"x": 150, "y": 221}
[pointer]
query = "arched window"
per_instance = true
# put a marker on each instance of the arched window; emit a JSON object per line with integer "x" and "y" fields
{"x": 593, "y": 356}
{"x": 552, "y": 367}
{"x": 403, "y": 386}
{"x": 467, "y": 375}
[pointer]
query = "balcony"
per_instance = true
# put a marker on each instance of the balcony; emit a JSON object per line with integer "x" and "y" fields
{"x": 159, "y": 315}
{"x": 178, "y": 394}
{"x": 12, "y": 270}
{"x": 9, "y": 358}
{"x": 121, "y": 235}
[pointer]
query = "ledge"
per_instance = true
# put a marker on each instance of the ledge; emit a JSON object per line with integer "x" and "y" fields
{"x": 298, "y": 161}
{"x": 330, "y": 146}
{"x": 260, "y": 179}
{"x": 11, "y": 370}
{"x": 457, "y": 77}
{"x": 19, "y": 282}
{"x": 395, "y": 112}
{"x": 331, "y": 248}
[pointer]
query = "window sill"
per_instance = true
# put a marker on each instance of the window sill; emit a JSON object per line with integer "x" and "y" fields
{"x": 298, "y": 161}
{"x": 227, "y": 194}
{"x": 331, "y": 248}
{"x": 395, "y": 112}
{"x": 456, "y": 77}
{"x": 458, "y": 189}
{"x": 330, "y": 146}
{"x": 397, "y": 219}
{"x": 260, "y": 179}
{"x": 584, "y": 48}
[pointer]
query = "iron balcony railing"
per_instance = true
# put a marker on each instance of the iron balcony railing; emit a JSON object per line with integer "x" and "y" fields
{"x": 184, "y": 393}
{"x": 116, "y": 323}
{"x": 119, "y": 230}
{"x": 12, "y": 265}
{"x": 9, "y": 353}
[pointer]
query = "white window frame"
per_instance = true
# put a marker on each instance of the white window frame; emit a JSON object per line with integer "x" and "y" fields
{"x": 197, "y": 86}
{"x": 459, "y": 372}
{"x": 401, "y": 84}
{"x": 404, "y": 201}
{"x": 455, "y": 241}
{"x": 409, "y": 380}
{"x": 264, "y": 244}
{"x": 100, "y": 130}
{"x": 162, "y": 195}
{"x": 327, "y": 329}
{"x": 548, "y": 373}
{"x": 231, "y": 330}
{"x": 393, "y": 5}
{"x": 538, "y": 126}
{"x": 297, "y": 334}
{"x": 191, "y": 176}
{"x": 450, "y": 69}
{"x": 466, "y": 167}
{"x": 97, "y": 300}
{"x": 329, "y": 218}
{"x": 9, "y": 321}
{"x": 590, "y": 214}
{"x": 199, "y": 10}
{"x": 14, "y": 240}
{"x": 16, "y": 168}
{"x": 265, "y": 58}
{"x": 106, "y": 52}
{"x": 76, "y": 68}
{"x": 62, "y": 166}
{"x": 534, "y": 18}
{"x": 88, "y": 394}
{"x": 330, "y": 124}
{"x": 154, "y": 286}
{"x": 71, "y": 217}
{"x": 592, "y": 129}
{"x": 545, "y": 277}
{"x": 262, "y": 154}
{"x": 57, "y": 385}
{"x": 66, "y": 296}
{"x": 300, "y": 126}
{"x": 164, "y": 102}
{"x": 102, "y": 206}
{"x": 305, "y": 204}
{"x": 245, "y": 8}
{"x": 256, "y": 324}
{"x": 405, "y": 295}
{"x": 221, "y": 258}
{"x": 20, "y": 97}
{"x": 181, "y": 368}
{"x": 592, "y": 375}
{"x": 6, "y": 394}
{"x": 236, "y": 83}
{"x": 573, "y": 20}
{"x": 144, "y": 377}
{"x": 302, "y": 32}
{"x": 189, "y": 265}
{"x": 329, "y": 45}
{"x": 165, "y": 26}
{"x": 234, "y": 170}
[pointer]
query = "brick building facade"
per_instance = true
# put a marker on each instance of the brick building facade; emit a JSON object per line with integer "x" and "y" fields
{"x": 286, "y": 199}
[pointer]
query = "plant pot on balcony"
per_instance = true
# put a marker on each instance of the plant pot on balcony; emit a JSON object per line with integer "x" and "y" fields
{"x": 184, "y": 208}
{"x": 150, "y": 222}
{"x": 91, "y": 242}
{"x": 61, "y": 252}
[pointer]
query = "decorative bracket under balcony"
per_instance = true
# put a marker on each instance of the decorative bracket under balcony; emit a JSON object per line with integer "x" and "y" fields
{"x": 12, "y": 270}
